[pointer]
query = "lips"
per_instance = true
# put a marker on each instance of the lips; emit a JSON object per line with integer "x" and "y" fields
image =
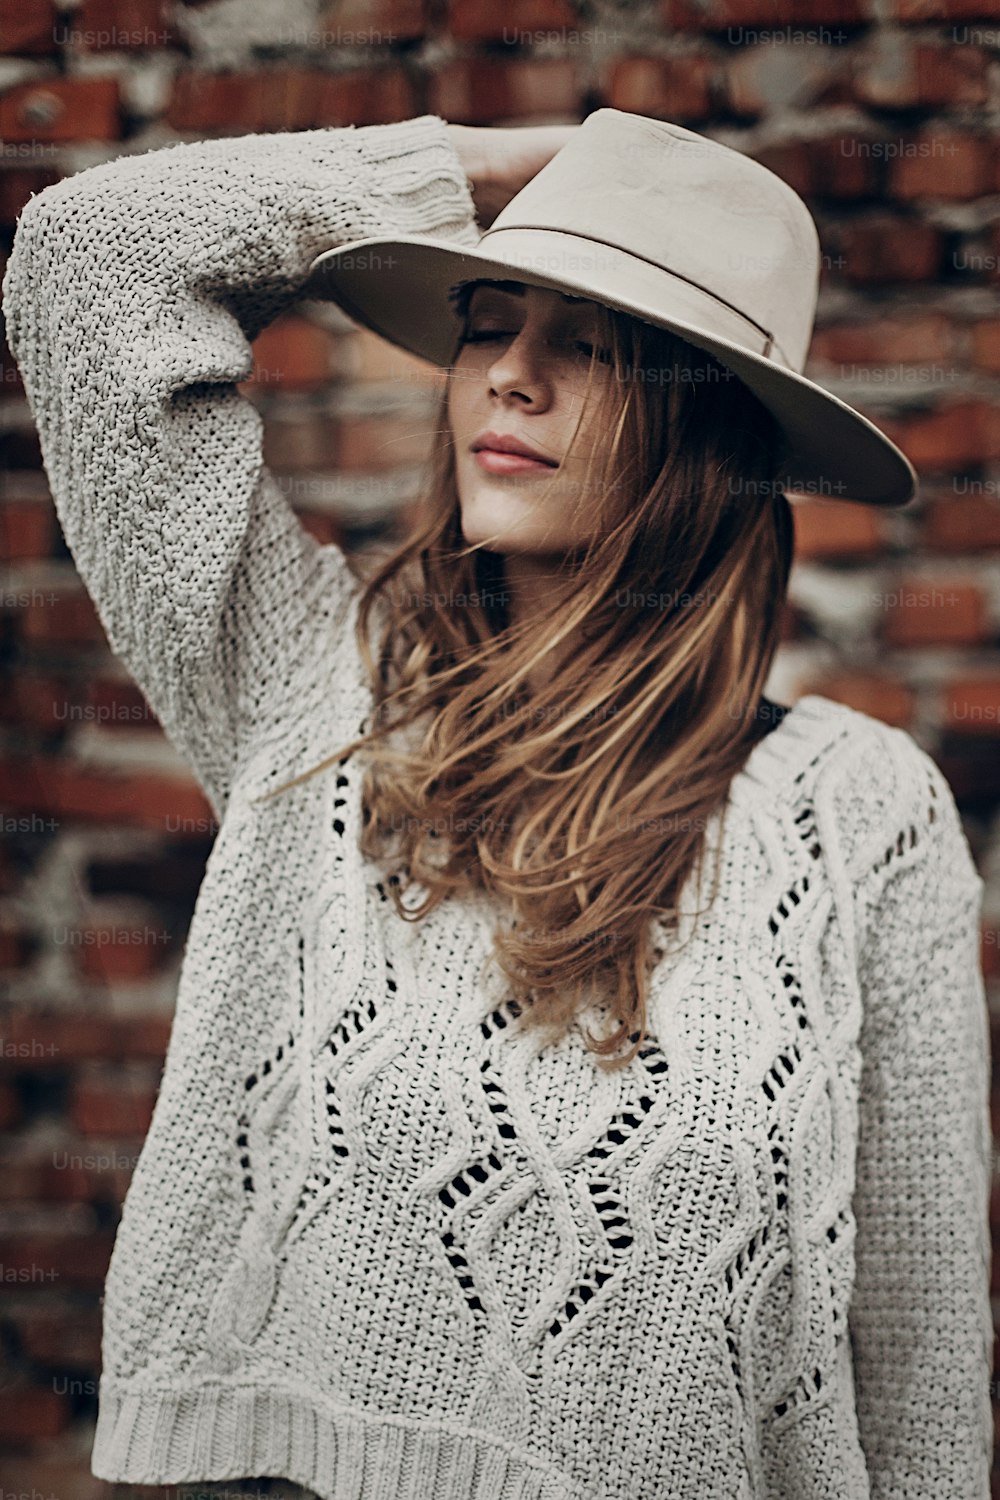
{"x": 497, "y": 443}
{"x": 493, "y": 462}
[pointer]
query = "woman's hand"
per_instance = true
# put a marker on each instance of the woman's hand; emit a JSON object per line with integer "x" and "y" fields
{"x": 500, "y": 160}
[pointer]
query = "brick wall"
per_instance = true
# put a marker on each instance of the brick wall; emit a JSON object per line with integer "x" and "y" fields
{"x": 882, "y": 113}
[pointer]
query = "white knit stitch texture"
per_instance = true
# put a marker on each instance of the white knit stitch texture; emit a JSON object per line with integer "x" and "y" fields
{"x": 377, "y": 1241}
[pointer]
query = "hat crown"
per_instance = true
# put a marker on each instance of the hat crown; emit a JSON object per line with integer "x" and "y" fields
{"x": 665, "y": 226}
{"x": 689, "y": 206}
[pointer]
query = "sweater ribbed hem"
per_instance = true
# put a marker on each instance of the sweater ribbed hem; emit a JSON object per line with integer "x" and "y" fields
{"x": 225, "y": 1432}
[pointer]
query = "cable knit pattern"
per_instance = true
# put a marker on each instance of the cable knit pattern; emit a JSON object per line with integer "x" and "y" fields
{"x": 379, "y": 1241}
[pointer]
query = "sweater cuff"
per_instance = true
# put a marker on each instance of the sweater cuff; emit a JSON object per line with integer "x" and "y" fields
{"x": 417, "y": 160}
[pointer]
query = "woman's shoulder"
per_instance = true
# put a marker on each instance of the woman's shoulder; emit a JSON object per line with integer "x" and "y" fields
{"x": 885, "y": 792}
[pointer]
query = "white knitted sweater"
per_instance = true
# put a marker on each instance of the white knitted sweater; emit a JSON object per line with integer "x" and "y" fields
{"x": 377, "y": 1242}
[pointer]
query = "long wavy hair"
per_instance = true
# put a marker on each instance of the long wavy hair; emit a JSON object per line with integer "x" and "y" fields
{"x": 582, "y": 804}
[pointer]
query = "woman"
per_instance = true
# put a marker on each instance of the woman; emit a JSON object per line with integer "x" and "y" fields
{"x": 402, "y": 1225}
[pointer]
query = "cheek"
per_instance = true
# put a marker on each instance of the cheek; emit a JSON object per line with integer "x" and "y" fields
{"x": 596, "y": 422}
{"x": 461, "y": 395}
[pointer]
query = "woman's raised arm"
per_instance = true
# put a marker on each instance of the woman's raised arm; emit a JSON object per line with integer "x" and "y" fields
{"x": 131, "y": 296}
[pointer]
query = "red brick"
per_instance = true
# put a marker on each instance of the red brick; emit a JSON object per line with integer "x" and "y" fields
{"x": 954, "y": 436}
{"x": 989, "y": 958}
{"x": 792, "y": 623}
{"x": 116, "y": 1111}
{"x": 27, "y": 530}
{"x": 950, "y": 164}
{"x": 18, "y": 184}
{"x": 904, "y": 74}
{"x": 62, "y": 109}
{"x": 989, "y": 428}
{"x": 300, "y": 441}
{"x": 37, "y": 1476}
{"x": 120, "y": 25}
{"x": 62, "y": 1337}
{"x": 986, "y": 344}
{"x": 962, "y": 523}
{"x": 882, "y": 248}
{"x": 293, "y": 354}
{"x": 28, "y": 27}
{"x": 716, "y": 15}
{"x": 119, "y": 952}
{"x": 38, "y": 1263}
{"x": 972, "y": 705}
{"x": 921, "y": 338}
{"x": 28, "y": 1413}
{"x": 938, "y": 611}
{"x": 56, "y": 614}
{"x": 16, "y": 946}
{"x": 10, "y": 1105}
{"x": 31, "y": 700}
{"x": 792, "y": 161}
{"x": 306, "y": 442}
{"x": 486, "y": 90}
{"x": 880, "y": 697}
{"x": 363, "y": 356}
{"x": 484, "y": 21}
{"x": 666, "y": 88}
{"x": 48, "y": 1040}
{"x": 47, "y": 785}
{"x": 918, "y": 11}
{"x": 366, "y": 96}
{"x": 114, "y": 703}
{"x": 837, "y": 528}
{"x": 288, "y": 99}
{"x": 283, "y": 98}
{"x": 844, "y": 166}
{"x": 372, "y": 22}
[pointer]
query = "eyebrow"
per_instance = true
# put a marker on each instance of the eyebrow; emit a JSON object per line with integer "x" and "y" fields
{"x": 517, "y": 289}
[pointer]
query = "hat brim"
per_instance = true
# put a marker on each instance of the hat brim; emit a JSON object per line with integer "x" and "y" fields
{"x": 398, "y": 288}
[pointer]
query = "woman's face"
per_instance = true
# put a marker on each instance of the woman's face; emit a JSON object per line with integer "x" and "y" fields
{"x": 521, "y": 373}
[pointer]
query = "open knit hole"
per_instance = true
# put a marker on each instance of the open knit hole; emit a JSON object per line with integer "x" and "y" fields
{"x": 806, "y": 1388}
{"x": 908, "y": 838}
{"x": 609, "y": 1207}
{"x": 805, "y": 821}
{"x": 789, "y": 901}
{"x": 779, "y": 1156}
{"x": 745, "y": 1266}
{"x": 338, "y": 822}
{"x": 252, "y": 1080}
{"x": 793, "y": 991}
{"x": 781, "y": 1071}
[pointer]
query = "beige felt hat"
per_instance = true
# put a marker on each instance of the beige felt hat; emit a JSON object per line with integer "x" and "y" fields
{"x": 674, "y": 228}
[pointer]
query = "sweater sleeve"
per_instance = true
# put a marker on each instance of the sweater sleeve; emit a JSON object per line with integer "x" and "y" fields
{"x": 132, "y": 294}
{"x": 920, "y": 1317}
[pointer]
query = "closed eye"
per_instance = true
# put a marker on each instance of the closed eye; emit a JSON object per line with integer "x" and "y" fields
{"x": 481, "y": 335}
{"x": 604, "y": 355}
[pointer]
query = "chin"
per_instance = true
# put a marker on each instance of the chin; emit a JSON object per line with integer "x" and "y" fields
{"x": 511, "y": 539}
{"x": 504, "y": 523}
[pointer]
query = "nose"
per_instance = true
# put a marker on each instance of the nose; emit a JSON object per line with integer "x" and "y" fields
{"x": 522, "y": 370}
